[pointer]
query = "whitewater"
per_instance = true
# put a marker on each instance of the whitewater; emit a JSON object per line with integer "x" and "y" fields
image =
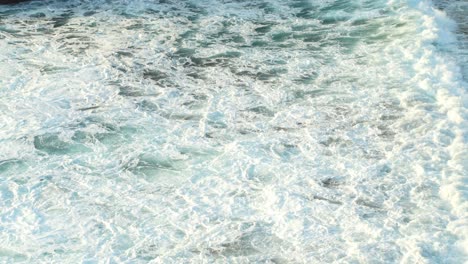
{"x": 228, "y": 131}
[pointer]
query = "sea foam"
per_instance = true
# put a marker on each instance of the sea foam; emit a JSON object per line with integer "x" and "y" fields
{"x": 224, "y": 131}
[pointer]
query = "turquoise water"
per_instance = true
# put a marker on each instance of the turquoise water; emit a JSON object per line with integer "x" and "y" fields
{"x": 212, "y": 131}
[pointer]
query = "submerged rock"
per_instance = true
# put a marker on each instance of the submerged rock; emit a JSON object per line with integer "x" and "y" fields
{"x": 5, "y": 2}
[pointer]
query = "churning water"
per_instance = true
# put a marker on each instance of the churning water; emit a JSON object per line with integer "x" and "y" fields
{"x": 229, "y": 131}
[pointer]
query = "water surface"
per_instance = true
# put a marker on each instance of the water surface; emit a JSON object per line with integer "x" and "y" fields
{"x": 213, "y": 131}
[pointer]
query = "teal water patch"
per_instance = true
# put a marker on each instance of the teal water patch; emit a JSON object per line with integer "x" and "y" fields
{"x": 11, "y": 165}
{"x": 53, "y": 144}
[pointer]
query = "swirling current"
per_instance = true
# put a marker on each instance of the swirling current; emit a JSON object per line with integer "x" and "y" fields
{"x": 230, "y": 131}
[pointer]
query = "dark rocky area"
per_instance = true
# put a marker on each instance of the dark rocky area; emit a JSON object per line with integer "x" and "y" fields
{"x": 7, "y": 2}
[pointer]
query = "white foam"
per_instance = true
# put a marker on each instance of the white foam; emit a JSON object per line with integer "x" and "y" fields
{"x": 243, "y": 132}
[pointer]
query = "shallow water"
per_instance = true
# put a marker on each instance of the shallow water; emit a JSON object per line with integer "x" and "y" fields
{"x": 261, "y": 131}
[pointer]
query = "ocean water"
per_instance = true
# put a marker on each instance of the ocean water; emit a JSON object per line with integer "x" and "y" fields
{"x": 229, "y": 131}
